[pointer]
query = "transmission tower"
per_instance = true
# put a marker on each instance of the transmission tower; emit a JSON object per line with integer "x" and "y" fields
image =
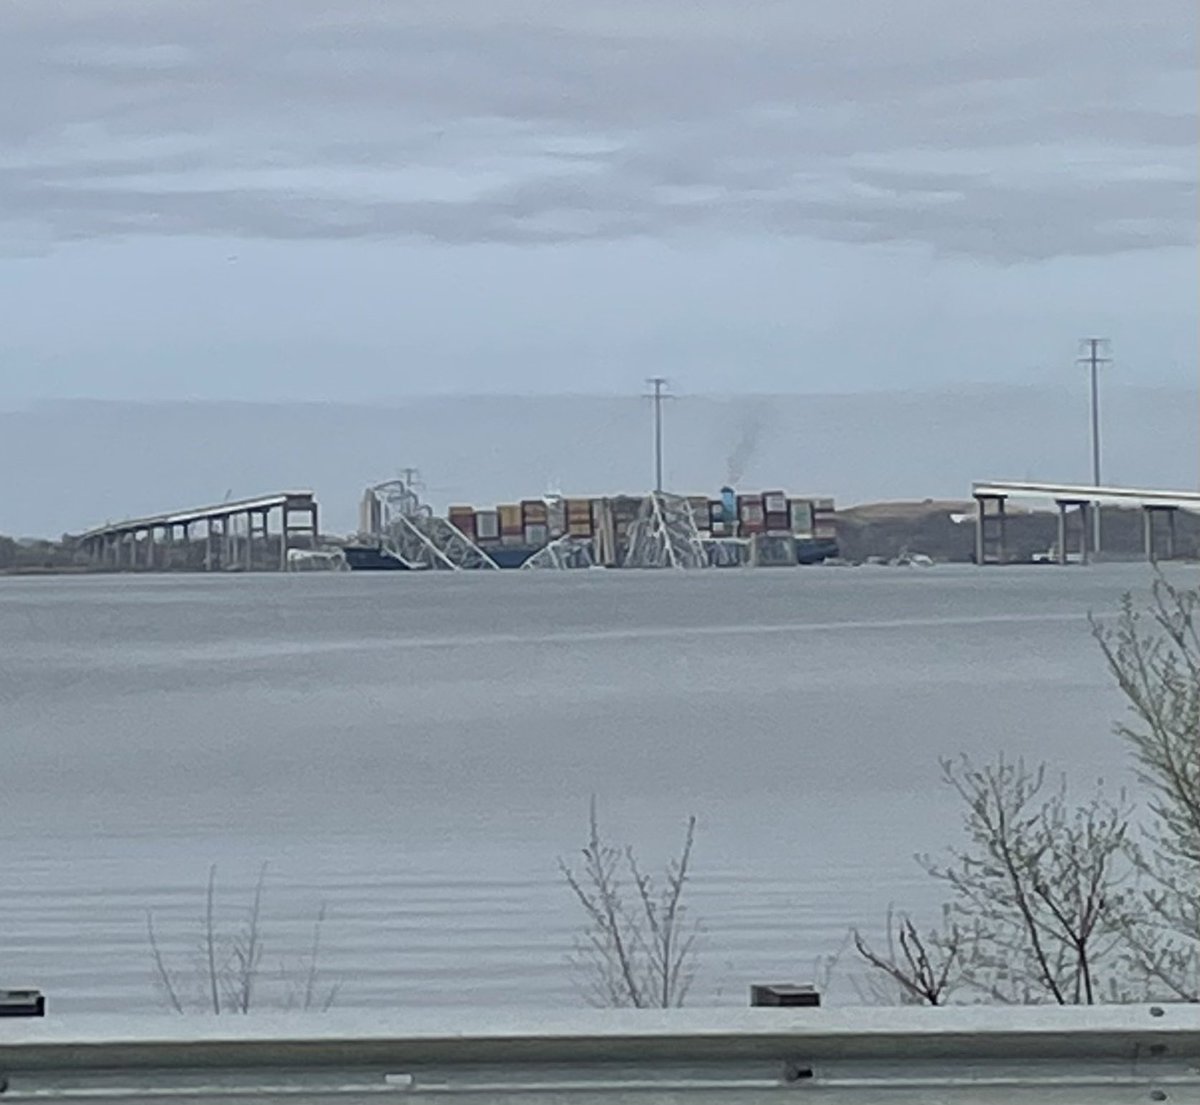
{"x": 1092, "y": 352}
{"x": 659, "y": 384}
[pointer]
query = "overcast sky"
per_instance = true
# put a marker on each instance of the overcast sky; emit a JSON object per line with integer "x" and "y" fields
{"x": 346, "y": 199}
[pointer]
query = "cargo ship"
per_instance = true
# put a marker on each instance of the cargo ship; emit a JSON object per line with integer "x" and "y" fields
{"x": 762, "y": 529}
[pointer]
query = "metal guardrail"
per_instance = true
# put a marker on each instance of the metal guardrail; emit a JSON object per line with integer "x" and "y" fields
{"x": 1072, "y": 1056}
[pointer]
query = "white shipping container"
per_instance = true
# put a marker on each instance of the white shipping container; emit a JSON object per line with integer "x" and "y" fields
{"x": 802, "y": 517}
{"x": 487, "y": 525}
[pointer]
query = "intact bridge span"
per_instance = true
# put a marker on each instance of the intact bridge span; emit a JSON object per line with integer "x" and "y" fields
{"x": 226, "y": 536}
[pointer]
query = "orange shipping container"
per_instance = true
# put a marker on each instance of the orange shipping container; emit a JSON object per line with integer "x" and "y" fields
{"x": 510, "y": 521}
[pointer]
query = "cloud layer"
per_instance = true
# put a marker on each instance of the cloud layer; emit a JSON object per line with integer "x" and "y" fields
{"x": 1014, "y": 131}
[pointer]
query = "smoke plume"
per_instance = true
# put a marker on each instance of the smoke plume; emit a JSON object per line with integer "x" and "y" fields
{"x": 750, "y": 427}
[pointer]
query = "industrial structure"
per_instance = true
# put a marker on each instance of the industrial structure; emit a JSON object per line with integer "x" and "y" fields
{"x": 1076, "y": 504}
{"x": 399, "y": 531}
{"x": 228, "y": 536}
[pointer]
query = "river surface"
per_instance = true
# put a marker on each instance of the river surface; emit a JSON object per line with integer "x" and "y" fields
{"x": 414, "y": 754}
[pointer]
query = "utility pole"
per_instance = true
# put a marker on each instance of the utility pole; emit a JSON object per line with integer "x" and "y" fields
{"x": 1092, "y": 350}
{"x": 659, "y": 383}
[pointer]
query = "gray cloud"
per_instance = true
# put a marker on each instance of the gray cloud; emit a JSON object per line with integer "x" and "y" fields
{"x": 1015, "y": 131}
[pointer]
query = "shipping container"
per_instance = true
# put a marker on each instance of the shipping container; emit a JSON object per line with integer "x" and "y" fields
{"x": 510, "y": 521}
{"x": 750, "y": 514}
{"x": 533, "y": 512}
{"x": 537, "y": 534}
{"x": 625, "y": 508}
{"x": 778, "y": 522}
{"x": 579, "y": 517}
{"x": 802, "y": 517}
{"x": 487, "y": 525}
{"x": 775, "y": 502}
{"x": 462, "y": 518}
{"x": 824, "y": 522}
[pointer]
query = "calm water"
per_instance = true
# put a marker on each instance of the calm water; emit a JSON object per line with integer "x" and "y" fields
{"x": 416, "y": 752}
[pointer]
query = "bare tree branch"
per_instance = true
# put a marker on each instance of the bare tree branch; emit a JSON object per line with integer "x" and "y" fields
{"x": 1037, "y": 893}
{"x": 210, "y": 939}
{"x": 229, "y": 971}
{"x": 164, "y": 976}
{"x": 636, "y": 949}
{"x": 1154, "y": 657}
{"x": 925, "y": 966}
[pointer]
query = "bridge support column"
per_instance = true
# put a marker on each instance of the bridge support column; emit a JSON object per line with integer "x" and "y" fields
{"x": 1149, "y": 531}
{"x": 248, "y": 551}
{"x": 1085, "y": 533}
{"x": 313, "y": 528}
{"x": 990, "y": 529}
{"x": 264, "y": 538}
{"x": 1083, "y": 513}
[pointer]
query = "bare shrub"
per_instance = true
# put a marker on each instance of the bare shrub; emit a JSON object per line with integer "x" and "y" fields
{"x": 638, "y": 947}
{"x": 226, "y": 974}
{"x": 1038, "y": 896}
{"x": 918, "y": 969}
{"x": 1154, "y": 655}
{"x": 1058, "y": 902}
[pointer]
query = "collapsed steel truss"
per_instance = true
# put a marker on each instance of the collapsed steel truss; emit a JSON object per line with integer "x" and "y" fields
{"x": 665, "y": 535}
{"x": 564, "y": 553}
{"x": 408, "y": 529}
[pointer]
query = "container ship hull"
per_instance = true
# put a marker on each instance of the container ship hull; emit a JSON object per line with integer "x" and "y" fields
{"x": 373, "y": 558}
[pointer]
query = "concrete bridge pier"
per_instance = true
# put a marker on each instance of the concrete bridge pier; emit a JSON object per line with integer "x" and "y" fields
{"x": 307, "y": 527}
{"x": 990, "y": 529}
{"x": 1150, "y": 516}
{"x": 1083, "y": 510}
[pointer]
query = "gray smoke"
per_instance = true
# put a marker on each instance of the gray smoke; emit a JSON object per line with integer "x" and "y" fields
{"x": 750, "y": 427}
